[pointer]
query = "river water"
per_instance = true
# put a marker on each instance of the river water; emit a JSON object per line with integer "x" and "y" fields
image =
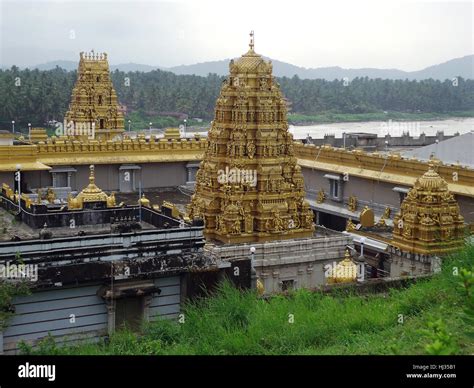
{"x": 381, "y": 128}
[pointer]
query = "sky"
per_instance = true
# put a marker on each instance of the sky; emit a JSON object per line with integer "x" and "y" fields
{"x": 407, "y": 35}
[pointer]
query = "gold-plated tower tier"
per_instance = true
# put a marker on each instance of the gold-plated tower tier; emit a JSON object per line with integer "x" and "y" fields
{"x": 429, "y": 221}
{"x": 94, "y": 112}
{"x": 249, "y": 187}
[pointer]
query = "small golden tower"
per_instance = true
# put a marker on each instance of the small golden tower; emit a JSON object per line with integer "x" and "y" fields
{"x": 94, "y": 111}
{"x": 345, "y": 271}
{"x": 90, "y": 194}
{"x": 249, "y": 187}
{"x": 144, "y": 201}
{"x": 429, "y": 222}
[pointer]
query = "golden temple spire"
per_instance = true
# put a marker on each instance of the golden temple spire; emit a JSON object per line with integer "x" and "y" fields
{"x": 94, "y": 111}
{"x": 91, "y": 175}
{"x": 345, "y": 271}
{"x": 91, "y": 193}
{"x": 249, "y": 186}
{"x": 429, "y": 221}
{"x": 251, "y": 44}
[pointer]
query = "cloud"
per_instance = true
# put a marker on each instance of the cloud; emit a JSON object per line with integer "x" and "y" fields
{"x": 386, "y": 34}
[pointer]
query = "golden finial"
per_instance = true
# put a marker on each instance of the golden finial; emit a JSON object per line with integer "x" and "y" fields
{"x": 144, "y": 201}
{"x": 251, "y": 44}
{"x": 260, "y": 287}
{"x": 91, "y": 175}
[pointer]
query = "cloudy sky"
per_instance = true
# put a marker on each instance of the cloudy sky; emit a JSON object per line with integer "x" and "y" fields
{"x": 408, "y": 35}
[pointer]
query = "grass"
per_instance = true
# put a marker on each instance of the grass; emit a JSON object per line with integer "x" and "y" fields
{"x": 330, "y": 117}
{"x": 234, "y": 323}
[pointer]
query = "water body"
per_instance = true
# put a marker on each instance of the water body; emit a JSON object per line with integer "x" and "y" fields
{"x": 381, "y": 128}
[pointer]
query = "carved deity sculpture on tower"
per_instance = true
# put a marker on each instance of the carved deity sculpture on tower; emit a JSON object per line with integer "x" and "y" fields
{"x": 249, "y": 187}
{"x": 94, "y": 112}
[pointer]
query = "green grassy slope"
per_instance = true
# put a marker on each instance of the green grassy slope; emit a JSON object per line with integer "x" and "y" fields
{"x": 232, "y": 322}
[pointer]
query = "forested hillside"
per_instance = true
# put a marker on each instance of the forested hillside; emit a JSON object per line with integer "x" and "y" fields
{"x": 38, "y": 96}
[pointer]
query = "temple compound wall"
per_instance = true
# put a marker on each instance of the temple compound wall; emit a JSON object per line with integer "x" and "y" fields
{"x": 288, "y": 264}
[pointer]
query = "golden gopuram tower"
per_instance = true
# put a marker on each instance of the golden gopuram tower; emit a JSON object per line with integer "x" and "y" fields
{"x": 94, "y": 111}
{"x": 249, "y": 187}
{"x": 429, "y": 222}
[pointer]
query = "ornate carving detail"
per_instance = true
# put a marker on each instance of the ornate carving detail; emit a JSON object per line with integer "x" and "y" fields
{"x": 429, "y": 221}
{"x": 321, "y": 196}
{"x": 94, "y": 110}
{"x": 90, "y": 194}
{"x": 250, "y": 134}
{"x": 352, "y": 204}
{"x": 350, "y": 225}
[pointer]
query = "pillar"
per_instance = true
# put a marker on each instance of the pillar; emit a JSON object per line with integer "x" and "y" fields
{"x": 111, "y": 316}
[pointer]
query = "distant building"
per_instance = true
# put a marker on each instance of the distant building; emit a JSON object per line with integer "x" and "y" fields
{"x": 458, "y": 150}
{"x": 94, "y": 112}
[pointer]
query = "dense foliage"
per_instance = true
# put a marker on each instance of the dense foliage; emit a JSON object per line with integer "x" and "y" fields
{"x": 38, "y": 96}
{"x": 432, "y": 316}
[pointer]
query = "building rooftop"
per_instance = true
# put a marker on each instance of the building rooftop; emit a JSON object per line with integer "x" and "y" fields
{"x": 457, "y": 150}
{"x": 11, "y": 228}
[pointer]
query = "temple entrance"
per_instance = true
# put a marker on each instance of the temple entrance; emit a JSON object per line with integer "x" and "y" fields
{"x": 101, "y": 124}
{"x": 332, "y": 221}
{"x": 129, "y": 313}
{"x": 61, "y": 179}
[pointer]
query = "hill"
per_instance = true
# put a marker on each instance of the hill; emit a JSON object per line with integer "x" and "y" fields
{"x": 463, "y": 67}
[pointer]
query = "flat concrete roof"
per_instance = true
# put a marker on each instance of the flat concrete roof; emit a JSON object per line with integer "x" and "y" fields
{"x": 458, "y": 149}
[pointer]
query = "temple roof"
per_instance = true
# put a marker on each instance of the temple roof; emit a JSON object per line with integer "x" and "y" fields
{"x": 431, "y": 181}
{"x": 458, "y": 149}
{"x": 250, "y": 62}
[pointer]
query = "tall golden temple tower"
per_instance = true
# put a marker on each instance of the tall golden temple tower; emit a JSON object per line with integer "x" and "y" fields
{"x": 94, "y": 111}
{"x": 249, "y": 187}
{"x": 429, "y": 222}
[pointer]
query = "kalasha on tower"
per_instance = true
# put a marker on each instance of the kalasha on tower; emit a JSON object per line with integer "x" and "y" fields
{"x": 249, "y": 187}
{"x": 94, "y": 111}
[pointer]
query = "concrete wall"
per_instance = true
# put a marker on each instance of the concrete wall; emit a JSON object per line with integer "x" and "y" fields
{"x": 377, "y": 195}
{"x": 167, "y": 303}
{"x": 107, "y": 177}
{"x": 52, "y": 311}
{"x": 301, "y": 261}
{"x": 163, "y": 174}
{"x": 368, "y": 192}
